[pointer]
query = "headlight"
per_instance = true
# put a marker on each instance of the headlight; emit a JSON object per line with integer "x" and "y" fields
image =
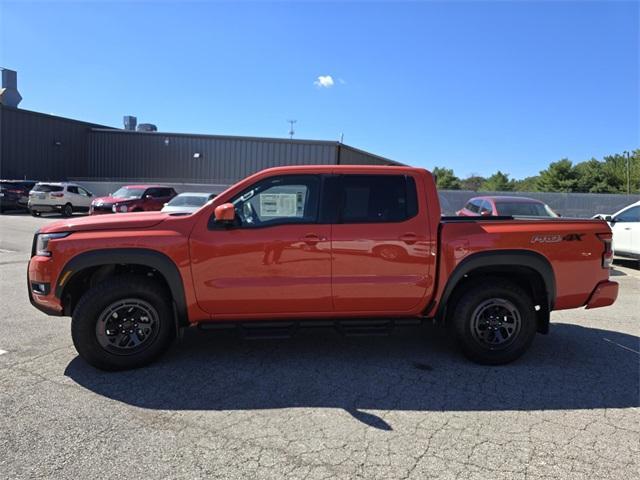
{"x": 119, "y": 208}
{"x": 42, "y": 242}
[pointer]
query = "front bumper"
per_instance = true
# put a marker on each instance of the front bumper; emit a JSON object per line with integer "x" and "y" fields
{"x": 44, "y": 299}
{"x": 603, "y": 295}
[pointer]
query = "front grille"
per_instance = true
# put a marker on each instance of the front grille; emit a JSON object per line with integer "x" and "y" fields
{"x": 105, "y": 207}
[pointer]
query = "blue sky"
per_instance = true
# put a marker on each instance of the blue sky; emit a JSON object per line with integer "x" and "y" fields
{"x": 474, "y": 86}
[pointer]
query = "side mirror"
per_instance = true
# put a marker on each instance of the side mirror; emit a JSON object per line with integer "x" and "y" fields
{"x": 225, "y": 213}
{"x": 608, "y": 218}
{"x": 148, "y": 197}
{"x": 485, "y": 213}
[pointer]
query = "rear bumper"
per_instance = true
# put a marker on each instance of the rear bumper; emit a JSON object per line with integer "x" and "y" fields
{"x": 603, "y": 295}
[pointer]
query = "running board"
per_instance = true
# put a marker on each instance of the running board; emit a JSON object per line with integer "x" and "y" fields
{"x": 285, "y": 329}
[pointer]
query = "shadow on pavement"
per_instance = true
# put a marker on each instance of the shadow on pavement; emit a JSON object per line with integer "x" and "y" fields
{"x": 415, "y": 369}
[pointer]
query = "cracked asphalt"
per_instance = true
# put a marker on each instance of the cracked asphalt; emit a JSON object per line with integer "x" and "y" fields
{"x": 319, "y": 405}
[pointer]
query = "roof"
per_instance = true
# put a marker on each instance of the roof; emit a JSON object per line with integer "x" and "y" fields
{"x": 507, "y": 198}
{"x": 196, "y": 194}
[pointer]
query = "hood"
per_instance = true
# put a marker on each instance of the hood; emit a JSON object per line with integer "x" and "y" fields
{"x": 111, "y": 200}
{"x": 114, "y": 221}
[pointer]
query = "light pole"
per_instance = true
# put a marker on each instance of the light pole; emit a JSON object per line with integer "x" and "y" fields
{"x": 628, "y": 174}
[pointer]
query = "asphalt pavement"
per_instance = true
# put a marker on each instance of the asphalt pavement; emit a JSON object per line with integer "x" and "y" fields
{"x": 319, "y": 405}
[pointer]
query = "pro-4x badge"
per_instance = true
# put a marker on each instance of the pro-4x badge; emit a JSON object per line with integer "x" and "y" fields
{"x": 570, "y": 237}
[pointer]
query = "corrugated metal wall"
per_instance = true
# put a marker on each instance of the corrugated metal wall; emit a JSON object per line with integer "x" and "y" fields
{"x": 172, "y": 157}
{"x": 44, "y": 147}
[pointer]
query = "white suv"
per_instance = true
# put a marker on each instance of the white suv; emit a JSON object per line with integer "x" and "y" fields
{"x": 625, "y": 225}
{"x": 65, "y": 198}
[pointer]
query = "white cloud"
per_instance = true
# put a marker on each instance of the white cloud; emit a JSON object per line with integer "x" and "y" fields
{"x": 324, "y": 81}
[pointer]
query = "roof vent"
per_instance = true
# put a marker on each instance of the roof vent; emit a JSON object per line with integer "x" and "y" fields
{"x": 147, "y": 127}
{"x": 9, "y": 95}
{"x": 129, "y": 122}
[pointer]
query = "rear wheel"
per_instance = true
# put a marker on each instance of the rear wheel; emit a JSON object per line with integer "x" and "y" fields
{"x": 122, "y": 323}
{"x": 494, "y": 321}
{"x": 67, "y": 210}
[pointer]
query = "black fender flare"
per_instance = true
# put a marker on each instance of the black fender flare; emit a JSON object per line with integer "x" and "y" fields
{"x": 131, "y": 256}
{"x": 505, "y": 258}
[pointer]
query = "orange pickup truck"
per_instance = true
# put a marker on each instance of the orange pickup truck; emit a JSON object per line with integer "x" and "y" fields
{"x": 359, "y": 247}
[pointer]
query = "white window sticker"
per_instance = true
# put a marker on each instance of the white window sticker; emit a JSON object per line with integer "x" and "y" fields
{"x": 278, "y": 205}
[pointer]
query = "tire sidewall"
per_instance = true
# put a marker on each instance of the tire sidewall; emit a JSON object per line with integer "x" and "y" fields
{"x": 89, "y": 310}
{"x": 463, "y": 322}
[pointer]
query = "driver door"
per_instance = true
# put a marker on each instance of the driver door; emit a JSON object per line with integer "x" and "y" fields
{"x": 274, "y": 260}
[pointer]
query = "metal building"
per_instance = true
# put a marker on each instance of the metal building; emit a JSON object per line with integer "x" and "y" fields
{"x": 46, "y": 147}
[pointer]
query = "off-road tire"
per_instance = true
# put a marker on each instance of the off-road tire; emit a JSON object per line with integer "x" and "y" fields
{"x": 483, "y": 292}
{"x": 94, "y": 304}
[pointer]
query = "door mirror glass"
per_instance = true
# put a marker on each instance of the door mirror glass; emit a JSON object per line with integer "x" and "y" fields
{"x": 608, "y": 218}
{"x": 225, "y": 213}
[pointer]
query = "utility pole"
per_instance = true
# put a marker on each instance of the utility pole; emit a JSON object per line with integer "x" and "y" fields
{"x": 628, "y": 173}
{"x": 291, "y": 130}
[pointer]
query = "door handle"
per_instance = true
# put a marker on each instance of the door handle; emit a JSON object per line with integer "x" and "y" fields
{"x": 312, "y": 239}
{"x": 409, "y": 238}
{"x": 627, "y": 228}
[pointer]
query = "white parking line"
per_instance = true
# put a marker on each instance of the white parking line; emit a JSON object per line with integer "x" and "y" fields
{"x": 621, "y": 346}
{"x": 2, "y": 352}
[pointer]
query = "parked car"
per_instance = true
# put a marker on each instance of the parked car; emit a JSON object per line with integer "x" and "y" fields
{"x": 14, "y": 194}
{"x": 625, "y": 225}
{"x": 187, "y": 202}
{"x": 133, "y": 198}
{"x": 250, "y": 259}
{"x": 62, "y": 197}
{"x": 503, "y": 205}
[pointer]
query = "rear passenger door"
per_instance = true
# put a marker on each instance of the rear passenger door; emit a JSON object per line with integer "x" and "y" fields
{"x": 381, "y": 250}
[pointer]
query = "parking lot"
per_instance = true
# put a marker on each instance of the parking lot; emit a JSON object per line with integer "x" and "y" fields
{"x": 319, "y": 405}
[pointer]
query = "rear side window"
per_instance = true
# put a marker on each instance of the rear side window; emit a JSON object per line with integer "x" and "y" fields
{"x": 377, "y": 198}
{"x": 48, "y": 188}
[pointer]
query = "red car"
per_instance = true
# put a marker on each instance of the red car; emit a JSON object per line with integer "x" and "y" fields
{"x": 509, "y": 206}
{"x": 133, "y": 198}
{"x": 309, "y": 246}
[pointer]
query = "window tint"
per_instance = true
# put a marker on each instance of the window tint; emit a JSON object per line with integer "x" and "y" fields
{"x": 485, "y": 206}
{"x": 165, "y": 192}
{"x": 522, "y": 209}
{"x": 48, "y": 188}
{"x": 84, "y": 192}
{"x": 473, "y": 206}
{"x": 377, "y": 198}
{"x": 72, "y": 189}
{"x": 630, "y": 215}
{"x": 279, "y": 200}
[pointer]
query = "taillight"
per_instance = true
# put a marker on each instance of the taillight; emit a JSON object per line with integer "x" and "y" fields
{"x": 607, "y": 255}
{"x": 57, "y": 195}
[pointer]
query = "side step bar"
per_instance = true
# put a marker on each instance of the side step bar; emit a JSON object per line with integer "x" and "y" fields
{"x": 286, "y": 329}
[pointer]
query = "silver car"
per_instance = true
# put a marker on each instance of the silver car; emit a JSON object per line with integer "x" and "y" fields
{"x": 187, "y": 202}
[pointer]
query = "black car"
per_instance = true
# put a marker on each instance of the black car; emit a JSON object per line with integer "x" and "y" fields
{"x": 14, "y": 194}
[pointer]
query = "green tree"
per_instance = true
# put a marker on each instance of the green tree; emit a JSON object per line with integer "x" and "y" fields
{"x": 594, "y": 177}
{"x": 445, "y": 178}
{"x": 472, "y": 182}
{"x": 528, "y": 184}
{"x": 560, "y": 176}
{"x": 498, "y": 182}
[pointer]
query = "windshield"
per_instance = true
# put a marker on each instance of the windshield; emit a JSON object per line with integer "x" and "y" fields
{"x": 188, "y": 201}
{"x": 126, "y": 192}
{"x": 48, "y": 188}
{"x": 524, "y": 209}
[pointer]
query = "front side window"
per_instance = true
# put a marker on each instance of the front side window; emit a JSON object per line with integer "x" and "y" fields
{"x": 524, "y": 209}
{"x": 279, "y": 200}
{"x": 630, "y": 215}
{"x": 72, "y": 189}
{"x": 377, "y": 198}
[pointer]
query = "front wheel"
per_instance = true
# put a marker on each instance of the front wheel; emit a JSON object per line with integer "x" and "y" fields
{"x": 122, "y": 323}
{"x": 494, "y": 321}
{"x": 34, "y": 213}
